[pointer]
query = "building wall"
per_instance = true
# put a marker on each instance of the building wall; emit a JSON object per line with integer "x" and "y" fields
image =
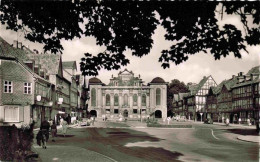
{"x": 12, "y": 71}
{"x": 102, "y": 91}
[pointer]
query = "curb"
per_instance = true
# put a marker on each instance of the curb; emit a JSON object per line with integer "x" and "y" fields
{"x": 248, "y": 140}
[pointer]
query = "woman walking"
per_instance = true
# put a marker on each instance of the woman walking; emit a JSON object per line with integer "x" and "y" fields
{"x": 64, "y": 127}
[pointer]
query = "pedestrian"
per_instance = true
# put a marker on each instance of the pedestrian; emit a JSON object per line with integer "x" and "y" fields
{"x": 45, "y": 126}
{"x": 227, "y": 122}
{"x": 53, "y": 131}
{"x": 64, "y": 126}
{"x": 239, "y": 121}
{"x": 169, "y": 119}
{"x": 92, "y": 120}
{"x": 248, "y": 122}
{"x": 69, "y": 119}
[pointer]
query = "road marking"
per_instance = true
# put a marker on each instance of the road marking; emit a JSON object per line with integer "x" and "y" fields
{"x": 213, "y": 134}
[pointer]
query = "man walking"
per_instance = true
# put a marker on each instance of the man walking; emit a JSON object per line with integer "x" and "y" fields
{"x": 45, "y": 126}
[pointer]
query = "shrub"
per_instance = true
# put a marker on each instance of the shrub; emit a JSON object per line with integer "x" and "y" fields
{"x": 15, "y": 143}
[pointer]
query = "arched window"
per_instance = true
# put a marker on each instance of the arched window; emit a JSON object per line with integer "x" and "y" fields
{"x": 116, "y": 103}
{"x": 107, "y": 100}
{"x": 135, "y": 99}
{"x": 158, "y": 96}
{"x": 143, "y": 100}
{"x": 125, "y": 100}
{"x": 93, "y": 97}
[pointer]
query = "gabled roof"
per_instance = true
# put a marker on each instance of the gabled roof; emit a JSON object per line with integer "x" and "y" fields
{"x": 254, "y": 70}
{"x": 125, "y": 72}
{"x": 8, "y": 50}
{"x": 69, "y": 65}
{"x": 195, "y": 88}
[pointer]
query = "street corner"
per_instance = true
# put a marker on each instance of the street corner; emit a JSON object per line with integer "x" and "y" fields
{"x": 254, "y": 139}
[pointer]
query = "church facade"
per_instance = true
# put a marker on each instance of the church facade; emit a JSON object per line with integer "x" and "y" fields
{"x": 127, "y": 95}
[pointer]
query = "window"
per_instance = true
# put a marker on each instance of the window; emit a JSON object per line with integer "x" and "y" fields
{"x": 115, "y": 111}
{"x": 135, "y": 99}
{"x": 158, "y": 96}
{"x": 135, "y": 111}
{"x": 107, "y": 100}
{"x": 93, "y": 97}
{"x": 11, "y": 113}
{"x": 8, "y": 87}
{"x": 116, "y": 103}
{"x": 144, "y": 100}
{"x": 28, "y": 88}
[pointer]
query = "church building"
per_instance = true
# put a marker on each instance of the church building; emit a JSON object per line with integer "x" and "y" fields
{"x": 129, "y": 96}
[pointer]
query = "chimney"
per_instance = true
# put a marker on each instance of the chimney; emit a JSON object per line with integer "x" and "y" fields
{"x": 240, "y": 74}
{"x": 19, "y": 45}
{"x": 15, "y": 44}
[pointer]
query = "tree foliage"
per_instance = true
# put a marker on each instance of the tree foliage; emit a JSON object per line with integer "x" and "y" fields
{"x": 191, "y": 26}
{"x": 175, "y": 87}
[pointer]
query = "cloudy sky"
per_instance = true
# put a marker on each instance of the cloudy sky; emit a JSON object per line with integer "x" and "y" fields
{"x": 148, "y": 67}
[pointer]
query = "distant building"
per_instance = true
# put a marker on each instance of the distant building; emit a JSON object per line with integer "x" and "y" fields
{"x": 128, "y": 96}
{"x": 196, "y": 99}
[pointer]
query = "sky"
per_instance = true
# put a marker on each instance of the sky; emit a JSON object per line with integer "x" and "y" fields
{"x": 148, "y": 67}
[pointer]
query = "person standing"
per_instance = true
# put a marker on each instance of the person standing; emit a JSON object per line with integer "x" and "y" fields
{"x": 227, "y": 121}
{"x": 64, "y": 126}
{"x": 44, "y": 128}
{"x": 69, "y": 119}
{"x": 53, "y": 131}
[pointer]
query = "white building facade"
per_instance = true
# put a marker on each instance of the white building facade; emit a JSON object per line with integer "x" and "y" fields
{"x": 128, "y": 96}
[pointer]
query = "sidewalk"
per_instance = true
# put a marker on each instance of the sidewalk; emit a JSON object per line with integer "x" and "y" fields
{"x": 255, "y": 139}
{"x": 56, "y": 152}
{"x": 247, "y": 138}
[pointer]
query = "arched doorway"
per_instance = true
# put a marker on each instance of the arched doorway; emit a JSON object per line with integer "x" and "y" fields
{"x": 158, "y": 114}
{"x": 125, "y": 113}
{"x": 93, "y": 113}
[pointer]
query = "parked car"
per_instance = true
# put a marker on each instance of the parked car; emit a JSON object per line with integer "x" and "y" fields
{"x": 208, "y": 121}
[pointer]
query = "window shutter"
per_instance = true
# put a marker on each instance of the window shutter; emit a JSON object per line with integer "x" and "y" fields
{"x": 21, "y": 114}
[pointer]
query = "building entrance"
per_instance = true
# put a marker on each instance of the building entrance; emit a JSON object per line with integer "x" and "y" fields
{"x": 125, "y": 113}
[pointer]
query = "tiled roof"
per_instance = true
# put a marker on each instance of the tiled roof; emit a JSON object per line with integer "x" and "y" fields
{"x": 157, "y": 80}
{"x": 50, "y": 62}
{"x": 8, "y": 50}
{"x": 256, "y": 80}
{"x": 254, "y": 70}
{"x": 94, "y": 80}
{"x": 69, "y": 64}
